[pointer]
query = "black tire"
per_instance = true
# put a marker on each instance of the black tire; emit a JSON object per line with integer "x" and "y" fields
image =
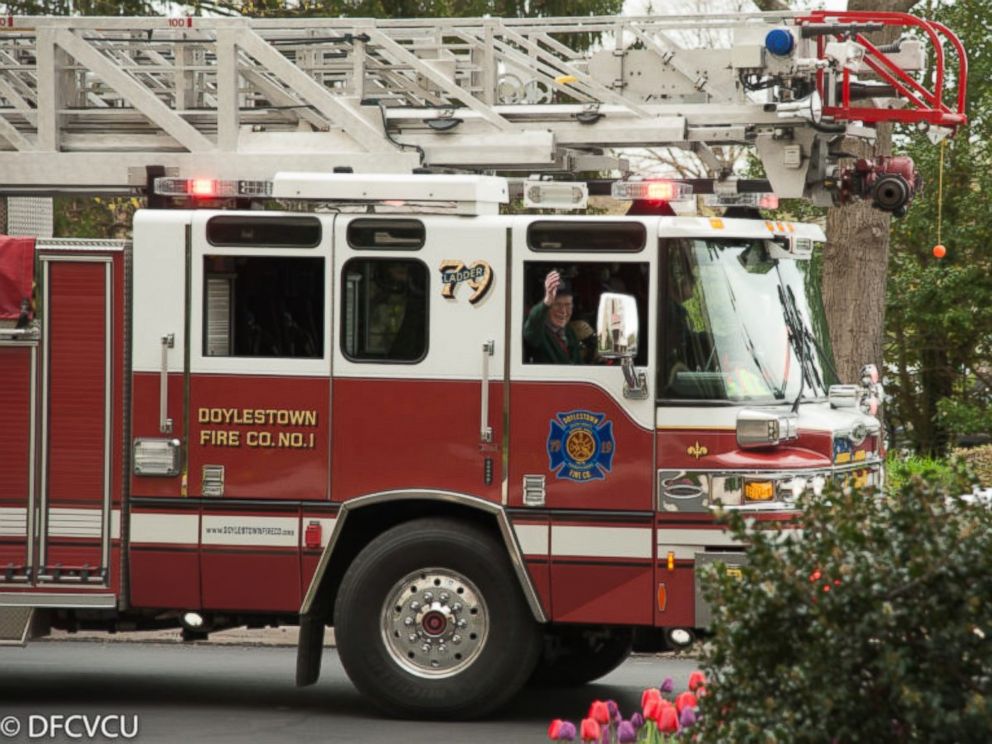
{"x": 460, "y": 676}
{"x": 574, "y": 656}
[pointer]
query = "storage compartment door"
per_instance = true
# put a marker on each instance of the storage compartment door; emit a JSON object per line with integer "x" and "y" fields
{"x": 18, "y": 363}
{"x": 76, "y": 399}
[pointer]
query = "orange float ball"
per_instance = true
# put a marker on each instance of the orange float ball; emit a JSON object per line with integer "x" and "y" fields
{"x": 939, "y": 251}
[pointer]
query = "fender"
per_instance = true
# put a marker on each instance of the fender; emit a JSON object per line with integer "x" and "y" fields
{"x": 473, "y": 502}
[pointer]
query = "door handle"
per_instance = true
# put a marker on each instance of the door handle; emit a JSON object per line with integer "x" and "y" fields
{"x": 164, "y": 422}
{"x": 485, "y": 430}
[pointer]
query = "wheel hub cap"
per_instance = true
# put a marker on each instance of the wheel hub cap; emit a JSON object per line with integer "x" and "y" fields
{"x": 434, "y": 623}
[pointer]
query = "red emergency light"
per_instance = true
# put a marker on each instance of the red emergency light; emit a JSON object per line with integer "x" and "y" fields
{"x": 203, "y": 187}
{"x": 655, "y": 190}
{"x": 212, "y": 188}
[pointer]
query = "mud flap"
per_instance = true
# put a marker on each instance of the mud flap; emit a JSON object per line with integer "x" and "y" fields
{"x": 309, "y": 651}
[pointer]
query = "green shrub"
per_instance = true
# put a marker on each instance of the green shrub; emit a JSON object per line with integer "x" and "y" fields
{"x": 979, "y": 461}
{"x": 874, "y": 626}
{"x": 899, "y": 470}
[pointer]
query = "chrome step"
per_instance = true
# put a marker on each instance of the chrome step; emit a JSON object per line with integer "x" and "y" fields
{"x": 14, "y": 625}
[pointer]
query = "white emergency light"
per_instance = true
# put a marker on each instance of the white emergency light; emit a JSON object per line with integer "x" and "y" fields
{"x": 754, "y": 200}
{"x": 555, "y": 195}
{"x": 156, "y": 457}
{"x": 653, "y": 190}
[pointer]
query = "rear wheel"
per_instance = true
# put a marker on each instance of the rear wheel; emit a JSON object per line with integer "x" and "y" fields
{"x": 431, "y": 622}
{"x": 574, "y": 656}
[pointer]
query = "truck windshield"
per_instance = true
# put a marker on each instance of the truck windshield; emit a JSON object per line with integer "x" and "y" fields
{"x": 740, "y": 324}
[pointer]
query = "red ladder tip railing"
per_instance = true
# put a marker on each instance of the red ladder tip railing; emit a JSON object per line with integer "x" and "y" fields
{"x": 926, "y": 106}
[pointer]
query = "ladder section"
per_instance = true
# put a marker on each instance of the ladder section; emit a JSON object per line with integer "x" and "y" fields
{"x": 87, "y": 104}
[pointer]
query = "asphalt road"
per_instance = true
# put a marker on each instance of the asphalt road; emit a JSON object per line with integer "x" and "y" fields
{"x": 207, "y": 693}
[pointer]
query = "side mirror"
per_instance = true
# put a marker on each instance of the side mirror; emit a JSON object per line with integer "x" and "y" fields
{"x": 616, "y": 326}
{"x": 616, "y": 338}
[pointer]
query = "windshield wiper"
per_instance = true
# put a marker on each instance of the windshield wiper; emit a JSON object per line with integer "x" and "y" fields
{"x": 799, "y": 335}
{"x": 777, "y": 393}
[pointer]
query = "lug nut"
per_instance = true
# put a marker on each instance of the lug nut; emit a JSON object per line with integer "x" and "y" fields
{"x": 428, "y": 596}
{"x": 456, "y": 639}
{"x": 462, "y": 623}
{"x": 415, "y": 605}
{"x": 456, "y": 607}
{"x": 443, "y": 597}
{"x": 408, "y": 622}
{"x": 412, "y": 638}
{"x": 426, "y": 648}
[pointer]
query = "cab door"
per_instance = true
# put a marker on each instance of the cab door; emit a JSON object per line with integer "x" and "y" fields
{"x": 581, "y": 448}
{"x": 419, "y": 358}
{"x": 259, "y": 399}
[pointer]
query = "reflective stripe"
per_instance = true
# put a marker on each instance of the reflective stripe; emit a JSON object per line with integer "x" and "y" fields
{"x": 601, "y": 542}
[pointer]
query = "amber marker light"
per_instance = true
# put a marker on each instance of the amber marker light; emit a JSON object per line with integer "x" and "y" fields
{"x": 759, "y": 491}
{"x": 662, "y": 597}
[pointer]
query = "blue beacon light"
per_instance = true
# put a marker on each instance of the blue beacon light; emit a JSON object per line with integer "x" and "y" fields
{"x": 779, "y": 42}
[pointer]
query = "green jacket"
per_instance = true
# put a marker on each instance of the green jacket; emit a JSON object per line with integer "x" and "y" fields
{"x": 541, "y": 345}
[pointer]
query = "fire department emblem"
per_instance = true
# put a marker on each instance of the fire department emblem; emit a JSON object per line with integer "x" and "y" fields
{"x": 580, "y": 446}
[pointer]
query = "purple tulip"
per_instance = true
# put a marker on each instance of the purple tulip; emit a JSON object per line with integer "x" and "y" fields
{"x": 567, "y": 731}
{"x": 668, "y": 685}
{"x": 637, "y": 720}
{"x": 687, "y": 717}
{"x": 611, "y": 706}
{"x": 626, "y": 733}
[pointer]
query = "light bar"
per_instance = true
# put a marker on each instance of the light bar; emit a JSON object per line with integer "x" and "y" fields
{"x": 661, "y": 190}
{"x": 211, "y": 188}
{"x": 555, "y": 195}
{"x": 755, "y": 200}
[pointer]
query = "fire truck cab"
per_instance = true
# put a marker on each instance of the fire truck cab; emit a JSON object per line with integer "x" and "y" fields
{"x": 332, "y": 418}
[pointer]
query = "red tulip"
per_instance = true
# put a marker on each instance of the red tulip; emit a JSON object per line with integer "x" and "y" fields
{"x": 554, "y": 729}
{"x": 685, "y": 700}
{"x": 599, "y": 712}
{"x": 590, "y": 730}
{"x": 701, "y": 691}
{"x": 652, "y": 693}
{"x": 696, "y": 679}
{"x": 651, "y": 708}
{"x": 668, "y": 721}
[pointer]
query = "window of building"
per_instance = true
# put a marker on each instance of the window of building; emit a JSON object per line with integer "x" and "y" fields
{"x": 384, "y": 310}
{"x": 263, "y": 306}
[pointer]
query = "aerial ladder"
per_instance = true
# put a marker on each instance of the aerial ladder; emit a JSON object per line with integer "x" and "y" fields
{"x": 96, "y": 105}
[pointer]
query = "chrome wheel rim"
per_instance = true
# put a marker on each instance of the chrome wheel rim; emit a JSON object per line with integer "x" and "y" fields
{"x": 435, "y": 623}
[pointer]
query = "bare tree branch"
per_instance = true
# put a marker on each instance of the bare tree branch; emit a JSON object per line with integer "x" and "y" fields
{"x": 772, "y": 5}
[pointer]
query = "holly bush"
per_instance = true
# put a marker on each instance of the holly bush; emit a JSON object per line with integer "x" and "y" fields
{"x": 872, "y": 625}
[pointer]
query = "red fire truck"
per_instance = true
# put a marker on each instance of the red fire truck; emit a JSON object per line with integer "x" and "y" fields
{"x": 331, "y": 417}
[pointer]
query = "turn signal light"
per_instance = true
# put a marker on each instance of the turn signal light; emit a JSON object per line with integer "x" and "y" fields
{"x": 759, "y": 491}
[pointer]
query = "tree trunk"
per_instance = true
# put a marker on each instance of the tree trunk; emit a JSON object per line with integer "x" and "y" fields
{"x": 854, "y": 276}
{"x": 857, "y": 253}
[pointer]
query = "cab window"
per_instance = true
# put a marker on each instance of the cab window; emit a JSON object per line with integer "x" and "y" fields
{"x": 263, "y": 306}
{"x": 565, "y": 333}
{"x": 384, "y": 310}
